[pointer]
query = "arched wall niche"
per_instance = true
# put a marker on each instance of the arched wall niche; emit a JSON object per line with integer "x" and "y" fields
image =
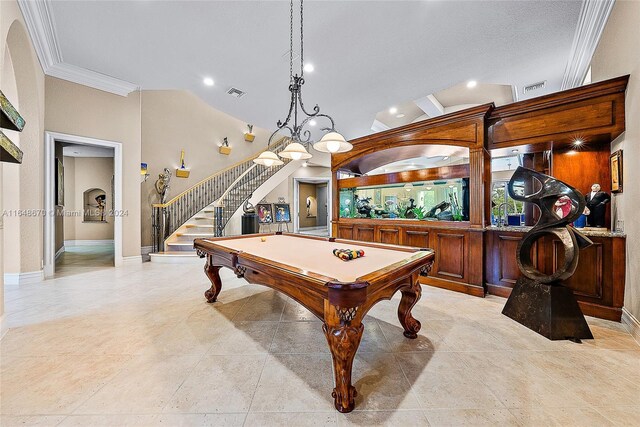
{"x": 95, "y": 205}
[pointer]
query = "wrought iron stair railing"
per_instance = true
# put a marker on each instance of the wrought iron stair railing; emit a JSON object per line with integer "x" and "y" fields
{"x": 235, "y": 183}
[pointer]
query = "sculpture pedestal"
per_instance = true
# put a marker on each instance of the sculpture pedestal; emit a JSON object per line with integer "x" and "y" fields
{"x": 250, "y": 224}
{"x": 550, "y": 310}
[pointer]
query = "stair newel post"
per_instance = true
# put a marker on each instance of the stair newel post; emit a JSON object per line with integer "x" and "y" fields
{"x": 218, "y": 223}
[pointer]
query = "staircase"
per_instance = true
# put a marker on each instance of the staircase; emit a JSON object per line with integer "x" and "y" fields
{"x": 205, "y": 209}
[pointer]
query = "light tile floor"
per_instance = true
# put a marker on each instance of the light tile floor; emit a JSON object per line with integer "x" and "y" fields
{"x": 83, "y": 259}
{"x": 139, "y": 346}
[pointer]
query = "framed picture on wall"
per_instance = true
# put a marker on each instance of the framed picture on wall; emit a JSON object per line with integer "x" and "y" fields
{"x": 59, "y": 183}
{"x": 283, "y": 212}
{"x": 615, "y": 163}
{"x": 265, "y": 213}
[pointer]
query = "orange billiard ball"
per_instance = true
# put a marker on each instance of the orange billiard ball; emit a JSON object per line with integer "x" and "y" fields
{"x": 263, "y": 239}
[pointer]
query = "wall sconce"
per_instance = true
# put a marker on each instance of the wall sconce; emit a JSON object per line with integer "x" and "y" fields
{"x": 182, "y": 171}
{"x": 249, "y": 136}
{"x": 224, "y": 148}
{"x": 144, "y": 172}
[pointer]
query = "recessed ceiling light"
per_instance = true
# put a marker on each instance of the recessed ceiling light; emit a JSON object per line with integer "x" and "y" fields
{"x": 578, "y": 142}
{"x": 572, "y": 152}
{"x": 308, "y": 67}
{"x": 208, "y": 81}
{"x": 445, "y": 158}
{"x": 471, "y": 84}
{"x": 399, "y": 116}
{"x": 312, "y": 123}
{"x": 393, "y": 110}
{"x": 515, "y": 150}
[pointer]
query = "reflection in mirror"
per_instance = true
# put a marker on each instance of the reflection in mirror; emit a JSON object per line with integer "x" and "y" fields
{"x": 504, "y": 210}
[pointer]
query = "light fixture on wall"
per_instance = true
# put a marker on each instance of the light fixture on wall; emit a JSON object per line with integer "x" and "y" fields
{"x": 224, "y": 147}
{"x": 249, "y": 136}
{"x": 182, "y": 171}
{"x": 332, "y": 142}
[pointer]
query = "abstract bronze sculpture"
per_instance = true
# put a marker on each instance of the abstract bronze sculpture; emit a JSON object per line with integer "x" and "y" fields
{"x": 539, "y": 301}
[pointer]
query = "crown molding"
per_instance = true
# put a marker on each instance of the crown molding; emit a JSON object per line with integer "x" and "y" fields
{"x": 37, "y": 15}
{"x": 591, "y": 22}
{"x": 41, "y": 26}
{"x": 91, "y": 78}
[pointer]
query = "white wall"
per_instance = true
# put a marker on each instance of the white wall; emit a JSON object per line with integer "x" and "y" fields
{"x": 174, "y": 120}
{"x": 29, "y": 81}
{"x": 80, "y": 110}
{"x": 618, "y": 53}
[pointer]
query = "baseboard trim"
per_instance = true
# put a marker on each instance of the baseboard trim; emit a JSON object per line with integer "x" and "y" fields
{"x": 465, "y": 288}
{"x": 130, "y": 260}
{"x": 87, "y": 242}
{"x": 60, "y": 252}
{"x": 23, "y": 278}
{"x": 632, "y": 324}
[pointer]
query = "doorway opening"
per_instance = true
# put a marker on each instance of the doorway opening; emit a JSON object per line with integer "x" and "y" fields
{"x": 83, "y": 190}
{"x": 312, "y": 206}
{"x": 84, "y": 201}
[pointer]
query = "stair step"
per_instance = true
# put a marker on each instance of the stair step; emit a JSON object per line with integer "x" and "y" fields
{"x": 176, "y": 257}
{"x": 199, "y": 225}
{"x": 203, "y": 217}
{"x": 180, "y": 246}
{"x": 195, "y": 235}
{"x": 175, "y": 253}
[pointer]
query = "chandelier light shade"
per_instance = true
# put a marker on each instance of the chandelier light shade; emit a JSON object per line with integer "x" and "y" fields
{"x": 295, "y": 151}
{"x": 268, "y": 158}
{"x": 300, "y": 136}
{"x": 332, "y": 142}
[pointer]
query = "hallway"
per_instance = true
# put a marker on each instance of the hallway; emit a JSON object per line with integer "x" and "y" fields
{"x": 84, "y": 259}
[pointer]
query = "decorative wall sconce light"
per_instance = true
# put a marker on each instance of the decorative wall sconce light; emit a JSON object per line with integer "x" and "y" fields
{"x": 182, "y": 171}
{"x": 144, "y": 172}
{"x": 224, "y": 148}
{"x": 249, "y": 136}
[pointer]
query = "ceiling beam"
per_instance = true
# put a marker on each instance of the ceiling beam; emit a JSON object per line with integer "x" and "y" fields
{"x": 591, "y": 22}
{"x": 378, "y": 126}
{"x": 430, "y": 105}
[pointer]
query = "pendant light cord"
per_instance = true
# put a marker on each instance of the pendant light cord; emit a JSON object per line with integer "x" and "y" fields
{"x": 301, "y": 39}
{"x": 291, "y": 43}
{"x": 291, "y": 40}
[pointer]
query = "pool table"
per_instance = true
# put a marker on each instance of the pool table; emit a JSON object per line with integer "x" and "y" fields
{"x": 339, "y": 293}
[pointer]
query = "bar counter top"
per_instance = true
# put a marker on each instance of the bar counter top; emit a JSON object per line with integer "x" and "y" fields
{"x": 586, "y": 232}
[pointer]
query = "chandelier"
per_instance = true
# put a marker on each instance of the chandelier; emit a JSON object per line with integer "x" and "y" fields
{"x": 298, "y": 117}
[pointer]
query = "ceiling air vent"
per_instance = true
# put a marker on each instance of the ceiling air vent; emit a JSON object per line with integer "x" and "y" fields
{"x": 535, "y": 86}
{"x": 235, "y": 92}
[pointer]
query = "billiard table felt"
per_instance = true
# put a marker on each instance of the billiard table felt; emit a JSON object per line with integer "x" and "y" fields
{"x": 317, "y": 255}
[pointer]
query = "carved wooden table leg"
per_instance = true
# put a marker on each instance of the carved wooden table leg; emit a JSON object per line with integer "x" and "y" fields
{"x": 343, "y": 328}
{"x": 212, "y": 272}
{"x": 410, "y": 296}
